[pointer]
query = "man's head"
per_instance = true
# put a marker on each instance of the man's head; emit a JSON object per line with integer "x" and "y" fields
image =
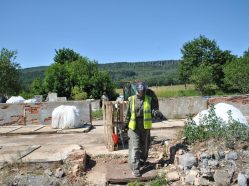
{"x": 141, "y": 89}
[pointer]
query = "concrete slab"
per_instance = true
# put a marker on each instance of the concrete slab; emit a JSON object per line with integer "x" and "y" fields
{"x": 121, "y": 173}
{"x": 24, "y": 129}
{"x": 170, "y": 129}
{"x": 8, "y": 129}
{"x": 168, "y": 124}
{"x": 85, "y": 128}
{"x": 40, "y": 129}
{"x": 14, "y": 153}
{"x": 50, "y": 153}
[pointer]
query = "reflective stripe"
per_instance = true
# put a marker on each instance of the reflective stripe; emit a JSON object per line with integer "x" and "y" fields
{"x": 132, "y": 123}
{"x": 147, "y": 113}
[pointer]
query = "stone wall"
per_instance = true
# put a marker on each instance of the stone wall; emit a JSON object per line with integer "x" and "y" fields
{"x": 39, "y": 113}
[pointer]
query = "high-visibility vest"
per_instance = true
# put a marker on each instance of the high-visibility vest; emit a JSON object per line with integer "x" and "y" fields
{"x": 147, "y": 113}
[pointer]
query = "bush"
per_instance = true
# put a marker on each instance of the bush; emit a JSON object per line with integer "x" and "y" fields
{"x": 77, "y": 94}
{"x": 159, "y": 181}
{"x": 213, "y": 127}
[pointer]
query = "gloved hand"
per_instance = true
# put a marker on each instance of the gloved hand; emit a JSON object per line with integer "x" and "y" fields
{"x": 158, "y": 115}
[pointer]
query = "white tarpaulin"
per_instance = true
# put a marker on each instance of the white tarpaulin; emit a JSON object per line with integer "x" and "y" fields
{"x": 30, "y": 101}
{"x": 66, "y": 117}
{"x": 221, "y": 111}
{"x": 15, "y": 99}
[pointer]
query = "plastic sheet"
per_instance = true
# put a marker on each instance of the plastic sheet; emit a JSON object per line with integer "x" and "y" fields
{"x": 66, "y": 117}
{"x": 221, "y": 111}
{"x": 15, "y": 99}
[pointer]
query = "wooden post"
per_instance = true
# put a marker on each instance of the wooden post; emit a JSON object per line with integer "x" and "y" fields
{"x": 113, "y": 116}
{"x": 109, "y": 125}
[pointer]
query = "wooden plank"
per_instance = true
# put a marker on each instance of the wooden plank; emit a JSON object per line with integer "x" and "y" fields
{"x": 14, "y": 129}
{"x": 109, "y": 120}
{"x": 38, "y": 128}
{"x": 25, "y": 152}
{"x": 121, "y": 173}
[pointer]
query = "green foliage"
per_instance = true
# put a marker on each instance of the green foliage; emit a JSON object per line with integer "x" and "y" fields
{"x": 75, "y": 79}
{"x": 159, "y": 181}
{"x": 205, "y": 52}
{"x": 36, "y": 87}
{"x": 66, "y": 55}
{"x": 78, "y": 94}
{"x": 154, "y": 73}
{"x": 98, "y": 114}
{"x": 202, "y": 77}
{"x": 27, "y": 76}
{"x": 9, "y": 73}
{"x": 176, "y": 91}
{"x": 26, "y": 94}
{"x": 135, "y": 183}
{"x": 236, "y": 74}
{"x": 57, "y": 79}
{"x": 213, "y": 127}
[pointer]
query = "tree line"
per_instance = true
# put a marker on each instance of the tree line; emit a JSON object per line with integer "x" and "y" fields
{"x": 203, "y": 63}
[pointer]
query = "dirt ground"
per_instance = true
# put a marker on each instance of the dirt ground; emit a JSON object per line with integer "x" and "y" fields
{"x": 92, "y": 142}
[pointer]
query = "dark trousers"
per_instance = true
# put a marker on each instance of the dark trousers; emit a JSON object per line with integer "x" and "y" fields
{"x": 139, "y": 142}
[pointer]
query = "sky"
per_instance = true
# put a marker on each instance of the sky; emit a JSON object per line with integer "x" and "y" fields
{"x": 119, "y": 30}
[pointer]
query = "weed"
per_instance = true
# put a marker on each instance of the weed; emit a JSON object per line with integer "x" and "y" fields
{"x": 98, "y": 114}
{"x": 159, "y": 181}
{"x": 135, "y": 183}
{"x": 212, "y": 126}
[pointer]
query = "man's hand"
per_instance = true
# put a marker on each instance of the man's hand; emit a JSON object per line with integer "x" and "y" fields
{"x": 158, "y": 115}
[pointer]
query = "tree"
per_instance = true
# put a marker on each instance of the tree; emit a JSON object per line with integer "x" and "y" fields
{"x": 202, "y": 77}
{"x": 65, "y": 55}
{"x": 9, "y": 73}
{"x": 57, "y": 79}
{"x": 237, "y": 74}
{"x": 36, "y": 87}
{"x": 78, "y": 79}
{"x": 203, "y": 51}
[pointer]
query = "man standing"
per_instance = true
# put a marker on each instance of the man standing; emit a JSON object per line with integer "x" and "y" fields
{"x": 139, "y": 113}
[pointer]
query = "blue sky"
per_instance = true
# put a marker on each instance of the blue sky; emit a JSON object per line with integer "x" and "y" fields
{"x": 116, "y": 31}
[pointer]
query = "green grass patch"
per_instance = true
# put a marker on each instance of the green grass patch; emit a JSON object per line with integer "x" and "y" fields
{"x": 98, "y": 114}
{"x": 175, "y": 91}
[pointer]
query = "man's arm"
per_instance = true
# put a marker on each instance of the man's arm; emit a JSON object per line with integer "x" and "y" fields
{"x": 128, "y": 114}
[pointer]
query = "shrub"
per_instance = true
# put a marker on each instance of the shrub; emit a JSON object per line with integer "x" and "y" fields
{"x": 212, "y": 126}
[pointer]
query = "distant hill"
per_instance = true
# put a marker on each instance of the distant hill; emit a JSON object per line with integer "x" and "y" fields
{"x": 153, "y": 72}
{"x": 29, "y": 74}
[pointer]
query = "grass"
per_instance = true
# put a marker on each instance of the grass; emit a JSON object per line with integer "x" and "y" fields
{"x": 158, "y": 181}
{"x": 98, "y": 114}
{"x": 175, "y": 91}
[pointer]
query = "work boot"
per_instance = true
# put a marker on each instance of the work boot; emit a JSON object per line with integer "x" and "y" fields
{"x": 136, "y": 173}
{"x": 143, "y": 164}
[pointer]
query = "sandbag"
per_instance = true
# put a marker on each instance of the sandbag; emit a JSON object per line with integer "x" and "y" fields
{"x": 221, "y": 111}
{"x": 66, "y": 117}
{"x": 15, "y": 99}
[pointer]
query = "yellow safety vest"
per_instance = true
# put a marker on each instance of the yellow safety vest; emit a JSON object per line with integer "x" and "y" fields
{"x": 147, "y": 113}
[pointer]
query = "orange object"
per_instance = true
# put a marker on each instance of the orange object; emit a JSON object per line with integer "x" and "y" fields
{"x": 115, "y": 139}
